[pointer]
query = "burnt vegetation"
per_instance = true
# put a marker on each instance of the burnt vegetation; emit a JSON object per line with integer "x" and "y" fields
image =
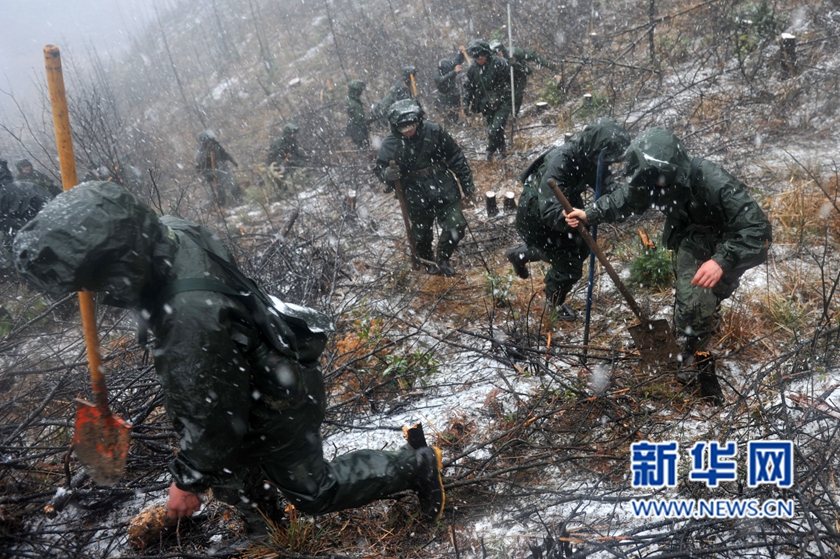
{"x": 544, "y": 457}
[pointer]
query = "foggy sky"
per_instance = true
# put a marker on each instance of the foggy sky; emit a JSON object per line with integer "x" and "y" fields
{"x": 75, "y": 26}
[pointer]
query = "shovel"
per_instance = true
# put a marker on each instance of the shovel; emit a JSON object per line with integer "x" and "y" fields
{"x": 653, "y": 338}
{"x": 100, "y": 439}
{"x": 415, "y": 258}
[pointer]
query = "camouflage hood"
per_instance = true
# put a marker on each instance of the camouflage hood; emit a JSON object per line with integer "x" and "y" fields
{"x": 95, "y": 237}
{"x": 206, "y": 136}
{"x": 355, "y": 88}
{"x": 406, "y": 110}
{"x": 656, "y": 154}
{"x": 604, "y": 133}
{"x": 478, "y": 47}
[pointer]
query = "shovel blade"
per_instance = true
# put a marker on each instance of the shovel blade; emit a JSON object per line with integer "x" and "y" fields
{"x": 101, "y": 442}
{"x": 655, "y": 342}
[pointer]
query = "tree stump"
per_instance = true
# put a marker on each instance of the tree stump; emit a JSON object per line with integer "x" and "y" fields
{"x": 509, "y": 202}
{"x": 787, "y": 54}
{"x": 492, "y": 206}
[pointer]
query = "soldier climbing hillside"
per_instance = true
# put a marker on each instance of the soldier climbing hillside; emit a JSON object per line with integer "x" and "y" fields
{"x": 427, "y": 160}
{"x": 239, "y": 369}
{"x": 487, "y": 91}
{"x": 212, "y": 162}
{"x": 539, "y": 217}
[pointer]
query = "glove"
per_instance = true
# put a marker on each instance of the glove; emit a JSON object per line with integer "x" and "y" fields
{"x": 391, "y": 174}
{"x": 276, "y": 170}
{"x": 388, "y": 189}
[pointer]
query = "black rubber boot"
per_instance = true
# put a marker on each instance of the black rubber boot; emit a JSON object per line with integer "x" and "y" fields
{"x": 517, "y": 258}
{"x": 445, "y": 267}
{"x": 707, "y": 377}
{"x": 430, "y": 483}
{"x": 261, "y": 506}
{"x": 560, "y": 308}
{"x": 565, "y": 312}
{"x": 414, "y": 436}
{"x": 698, "y": 371}
{"x": 502, "y": 152}
{"x": 447, "y": 243}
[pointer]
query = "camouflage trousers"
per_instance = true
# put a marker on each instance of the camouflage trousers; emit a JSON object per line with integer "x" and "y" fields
{"x": 451, "y": 221}
{"x": 290, "y": 462}
{"x": 696, "y": 308}
{"x": 316, "y": 486}
{"x": 495, "y": 122}
{"x": 564, "y": 251}
{"x": 223, "y": 183}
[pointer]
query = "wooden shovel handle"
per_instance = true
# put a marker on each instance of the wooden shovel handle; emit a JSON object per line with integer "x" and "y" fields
{"x": 61, "y": 118}
{"x": 404, "y": 210}
{"x": 581, "y": 228}
{"x": 67, "y": 163}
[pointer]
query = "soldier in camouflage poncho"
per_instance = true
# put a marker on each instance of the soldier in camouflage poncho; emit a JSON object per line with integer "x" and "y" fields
{"x": 428, "y": 160}
{"x": 519, "y": 58}
{"x": 539, "y": 216}
{"x": 212, "y": 162}
{"x": 26, "y": 173}
{"x": 405, "y": 89}
{"x": 487, "y": 91}
{"x": 448, "y": 97}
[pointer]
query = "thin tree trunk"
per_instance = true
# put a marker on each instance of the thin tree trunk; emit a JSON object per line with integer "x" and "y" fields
{"x": 651, "y": 46}
{"x": 335, "y": 41}
{"x": 187, "y": 104}
{"x": 264, "y": 53}
{"x": 227, "y": 47}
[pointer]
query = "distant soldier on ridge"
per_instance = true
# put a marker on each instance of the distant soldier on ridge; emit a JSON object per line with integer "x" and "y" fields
{"x": 406, "y": 89}
{"x": 286, "y": 160}
{"x": 358, "y": 125}
{"x": 26, "y": 173}
{"x": 487, "y": 91}
{"x": 212, "y": 163}
{"x": 519, "y": 57}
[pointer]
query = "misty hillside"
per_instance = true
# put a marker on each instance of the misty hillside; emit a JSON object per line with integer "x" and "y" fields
{"x": 535, "y": 426}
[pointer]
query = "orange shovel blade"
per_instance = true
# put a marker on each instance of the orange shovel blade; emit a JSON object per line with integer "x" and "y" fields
{"x": 101, "y": 442}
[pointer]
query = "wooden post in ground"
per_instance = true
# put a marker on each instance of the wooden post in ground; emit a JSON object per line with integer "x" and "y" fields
{"x": 509, "y": 202}
{"x": 787, "y": 54}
